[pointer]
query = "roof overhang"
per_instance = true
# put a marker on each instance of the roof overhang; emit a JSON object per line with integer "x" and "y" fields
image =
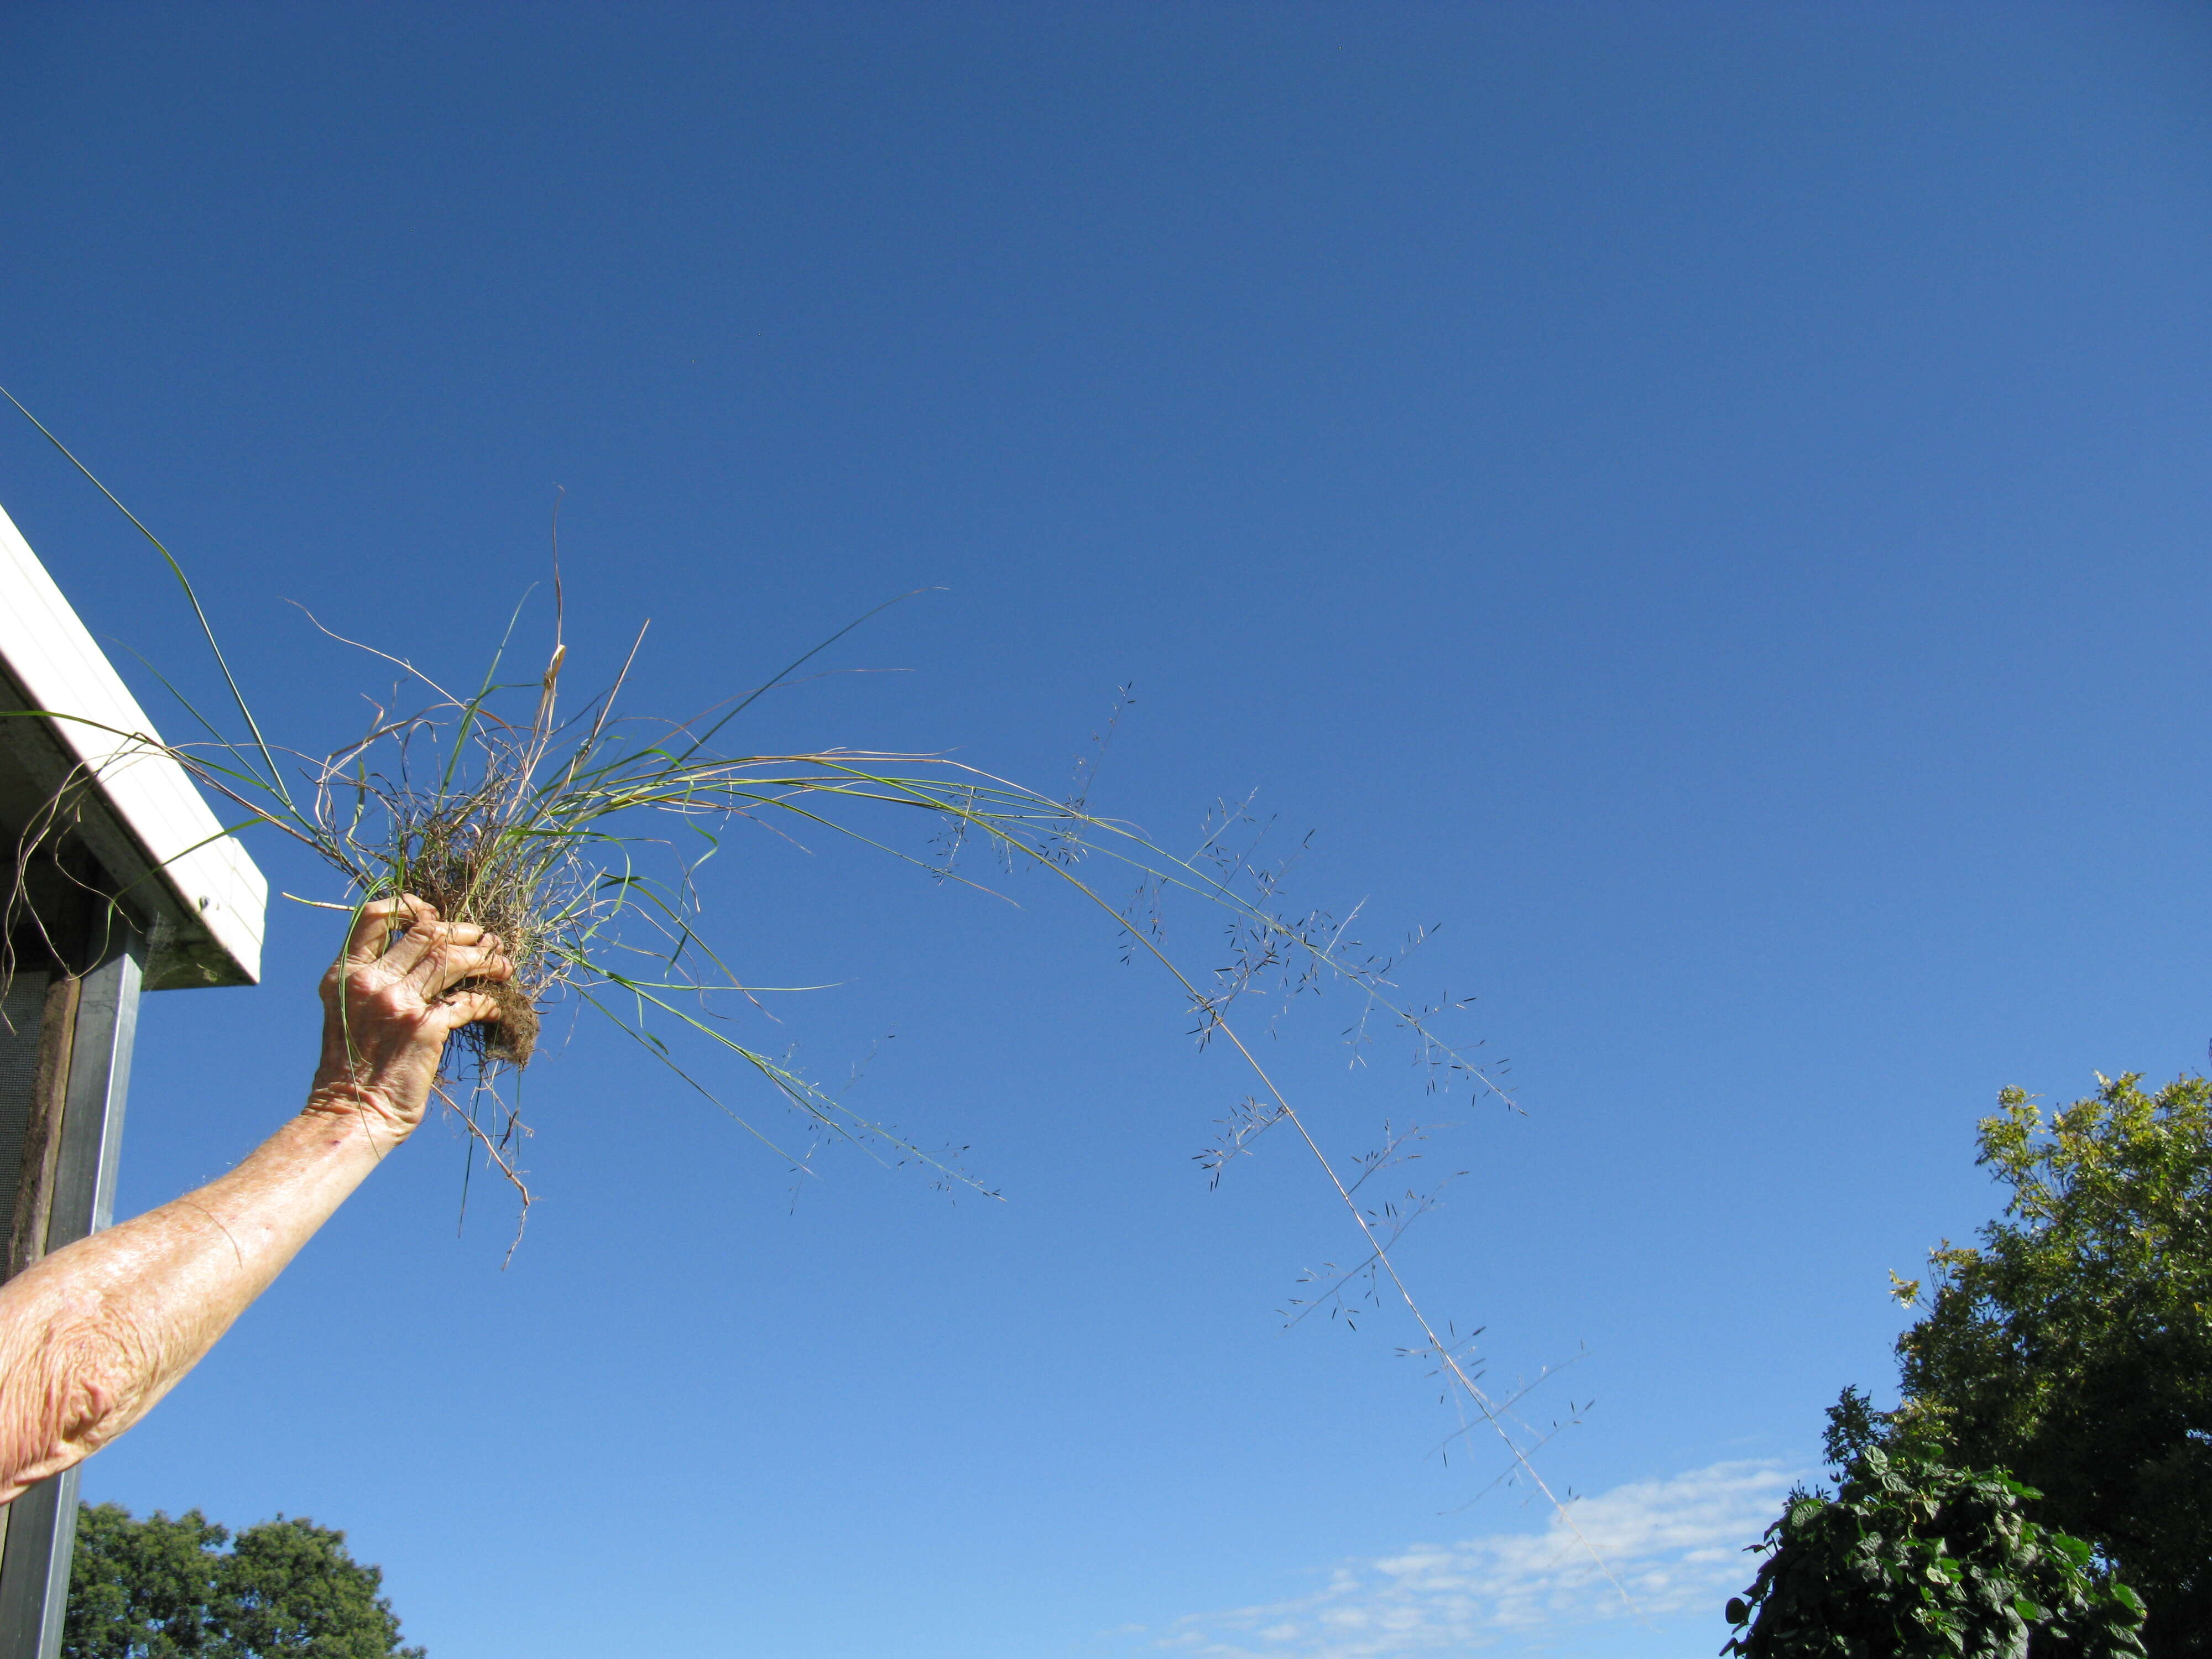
{"x": 142, "y": 817}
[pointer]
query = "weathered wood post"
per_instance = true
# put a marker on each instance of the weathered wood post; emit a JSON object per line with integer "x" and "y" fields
{"x": 119, "y": 878}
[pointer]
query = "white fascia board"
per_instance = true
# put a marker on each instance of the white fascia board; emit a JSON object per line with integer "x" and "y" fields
{"x": 206, "y": 891}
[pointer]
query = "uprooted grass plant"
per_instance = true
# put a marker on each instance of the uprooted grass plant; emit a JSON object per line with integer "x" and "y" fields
{"x": 566, "y": 833}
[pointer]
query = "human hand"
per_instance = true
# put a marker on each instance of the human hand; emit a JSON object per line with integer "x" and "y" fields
{"x": 389, "y": 1005}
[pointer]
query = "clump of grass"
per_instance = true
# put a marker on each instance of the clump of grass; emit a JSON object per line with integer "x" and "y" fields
{"x": 543, "y": 831}
{"x": 457, "y": 855}
{"x": 468, "y": 838}
{"x": 556, "y": 835}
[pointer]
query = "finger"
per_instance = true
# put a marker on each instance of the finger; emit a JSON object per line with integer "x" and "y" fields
{"x": 428, "y": 940}
{"x": 423, "y": 937}
{"x": 465, "y": 1009}
{"x": 448, "y": 965}
{"x": 374, "y": 922}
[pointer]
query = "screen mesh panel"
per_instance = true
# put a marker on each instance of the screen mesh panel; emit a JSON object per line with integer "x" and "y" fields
{"x": 19, "y": 1011}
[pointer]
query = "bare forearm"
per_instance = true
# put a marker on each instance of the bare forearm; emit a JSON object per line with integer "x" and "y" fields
{"x": 92, "y": 1335}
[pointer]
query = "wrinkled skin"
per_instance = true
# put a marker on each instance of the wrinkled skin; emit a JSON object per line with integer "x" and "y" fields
{"x": 387, "y": 1011}
{"x": 93, "y": 1334}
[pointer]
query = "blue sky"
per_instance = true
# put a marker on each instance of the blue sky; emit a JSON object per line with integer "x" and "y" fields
{"x": 1707, "y": 503}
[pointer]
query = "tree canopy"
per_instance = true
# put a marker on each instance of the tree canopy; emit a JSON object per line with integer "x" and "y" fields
{"x": 1911, "y": 1559}
{"x": 163, "y": 1588}
{"x": 2073, "y": 1344}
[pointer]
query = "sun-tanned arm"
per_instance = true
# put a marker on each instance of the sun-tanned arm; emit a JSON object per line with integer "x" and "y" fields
{"x": 92, "y": 1335}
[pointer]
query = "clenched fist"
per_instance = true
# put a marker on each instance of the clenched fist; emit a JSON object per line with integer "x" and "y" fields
{"x": 389, "y": 1005}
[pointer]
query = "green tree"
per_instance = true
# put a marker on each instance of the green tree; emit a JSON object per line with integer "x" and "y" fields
{"x": 2073, "y": 1344}
{"x": 1911, "y": 1559}
{"x": 160, "y": 1588}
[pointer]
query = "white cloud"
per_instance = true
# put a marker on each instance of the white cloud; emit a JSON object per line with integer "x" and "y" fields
{"x": 1675, "y": 1545}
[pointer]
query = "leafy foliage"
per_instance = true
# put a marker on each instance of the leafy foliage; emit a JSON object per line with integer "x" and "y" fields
{"x": 1910, "y": 1558}
{"x": 1853, "y": 1425}
{"x": 2073, "y": 1343}
{"x": 163, "y": 1588}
